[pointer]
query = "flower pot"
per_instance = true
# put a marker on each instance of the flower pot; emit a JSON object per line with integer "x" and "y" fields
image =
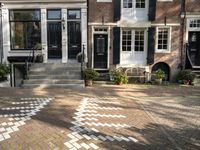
{"x": 186, "y": 82}
{"x": 158, "y": 81}
{"x": 88, "y": 82}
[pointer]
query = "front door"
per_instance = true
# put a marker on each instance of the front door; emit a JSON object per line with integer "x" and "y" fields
{"x": 100, "y": 51}
{"x": 54, "y": 40}
{"x": 74, "y": 39}
{"x": 194, "y": 47}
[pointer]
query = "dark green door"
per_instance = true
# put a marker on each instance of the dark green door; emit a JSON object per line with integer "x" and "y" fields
{"x": 194, "y": 47}
{"x": 54, "y": 40}
{"x": 100, "y": 51}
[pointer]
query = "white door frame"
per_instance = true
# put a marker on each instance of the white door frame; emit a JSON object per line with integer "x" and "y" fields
{"x": 108, "y": 47}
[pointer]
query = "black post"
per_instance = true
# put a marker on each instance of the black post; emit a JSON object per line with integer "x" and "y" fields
{"x": 82, "y": 61}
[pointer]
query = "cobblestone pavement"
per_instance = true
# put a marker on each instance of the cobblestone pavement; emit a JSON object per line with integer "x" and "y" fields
{"x": 103, "y": 117}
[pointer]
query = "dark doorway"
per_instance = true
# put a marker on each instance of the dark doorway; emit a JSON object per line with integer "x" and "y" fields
{"x": 54, "y": 40}
{"x": 164, "y": 67}
{"x": 74, "y": 39}
{"x": 194, "y": 48}
{"x": 100, "y": 51}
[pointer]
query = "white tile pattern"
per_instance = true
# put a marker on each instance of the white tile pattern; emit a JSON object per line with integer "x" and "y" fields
{"x": 85, "y": 115}
{"x": 24, "y": 114}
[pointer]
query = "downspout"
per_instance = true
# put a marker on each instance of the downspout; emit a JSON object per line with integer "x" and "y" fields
{"x": 1, "y": 36}
{"x": 87, "y": 65}
{"x": 183, "y": 46}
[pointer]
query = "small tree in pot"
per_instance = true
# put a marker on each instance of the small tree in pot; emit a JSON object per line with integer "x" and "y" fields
{"x": 4, "y": 71}
{"x": 160, "y": 75}
{"x": 90, "y": 75}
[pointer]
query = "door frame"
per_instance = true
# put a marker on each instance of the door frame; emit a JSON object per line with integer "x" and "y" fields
{"x": 108, "y": 45}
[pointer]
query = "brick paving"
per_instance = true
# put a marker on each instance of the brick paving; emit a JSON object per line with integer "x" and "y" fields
{"x": 102, "y": 117}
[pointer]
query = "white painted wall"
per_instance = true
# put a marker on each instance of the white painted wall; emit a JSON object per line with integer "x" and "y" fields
{"x": 134, "y": 14}
{"x": 44, "y": 6}
{"x": 134, "y": 58}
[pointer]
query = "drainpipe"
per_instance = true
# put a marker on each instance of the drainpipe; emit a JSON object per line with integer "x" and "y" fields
{"x": 88, "y": 36}
{"x": 1, "y": 36}
{"x": 183, "y": 19}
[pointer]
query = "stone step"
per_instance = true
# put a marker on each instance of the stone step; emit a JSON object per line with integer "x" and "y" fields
{"x": 77, "y": 76}
{"x": 36, "y": 65}
{"x": 54, "y": 68}
{"x": 53, "y": 81}
{"x": 53, "y": 85}
{"x": 52, "y": 72}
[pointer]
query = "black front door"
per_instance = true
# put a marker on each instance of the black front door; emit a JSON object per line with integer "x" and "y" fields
{"x": 194, "y": 47}
{"x": 74, "y": 39}
{"x": 100, "y": 51}
{"x": 54, "y": 40}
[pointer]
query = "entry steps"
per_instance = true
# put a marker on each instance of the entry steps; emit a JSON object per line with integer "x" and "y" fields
{"x": 45, "y": 75}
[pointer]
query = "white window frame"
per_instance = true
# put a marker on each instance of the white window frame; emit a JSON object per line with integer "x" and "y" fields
{"x": 168, "y": 50}
{"x": 105, "y": 1}
{"x": 128, "y": 3}
{"x": 145, "y": 3}
{"x": 133, "y": 40}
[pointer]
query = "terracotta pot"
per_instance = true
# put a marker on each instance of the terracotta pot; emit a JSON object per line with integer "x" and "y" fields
{"x": 186, "y": 82}
{"x": 88, "y": 82}
{"x": 158, "y": 81}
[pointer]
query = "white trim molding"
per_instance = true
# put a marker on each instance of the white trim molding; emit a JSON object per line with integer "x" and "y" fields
{"x": 168, "y": 24}
{"x": 168, "y": 50}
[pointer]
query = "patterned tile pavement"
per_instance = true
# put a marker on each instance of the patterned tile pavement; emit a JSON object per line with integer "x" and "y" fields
{"x": 105, "y": 118}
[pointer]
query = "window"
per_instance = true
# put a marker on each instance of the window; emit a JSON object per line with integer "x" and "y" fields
{"x": 54, "y": 14}
{"x": 195, "y": 23}
{"x": 25, "y": 29}
{"x": 126, "y": 40}
{"x": 139, "y": 40}
{"x": 127, "y": 3}
{"x": 140, "y": 4}
{"x": 163, "y": 39}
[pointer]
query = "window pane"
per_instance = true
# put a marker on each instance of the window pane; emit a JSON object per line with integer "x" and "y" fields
{"x": 54, "y": 14}
{"x": 25, "y": 15}
{"x": 74, "y": 14}
{"x": 25, "y": 35}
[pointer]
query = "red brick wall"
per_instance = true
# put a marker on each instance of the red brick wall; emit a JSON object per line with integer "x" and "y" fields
{"x": 172, "y": 58}
{"x": 97, "y": 10}
{"x": 192, "y": 6}
{"x": 169, "y": 9}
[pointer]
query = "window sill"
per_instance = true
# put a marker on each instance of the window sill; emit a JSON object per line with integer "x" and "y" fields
{"x": 162, "y": 51}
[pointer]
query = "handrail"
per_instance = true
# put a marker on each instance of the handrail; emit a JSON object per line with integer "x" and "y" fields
{"x": 187, "y": 52}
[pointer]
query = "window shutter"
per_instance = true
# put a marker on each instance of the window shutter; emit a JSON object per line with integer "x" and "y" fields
{"x": 151, "y": 46}
{"x": 116, "y": 45}
{"x": 117, "y": 10}
{"x": 152, "y": 10}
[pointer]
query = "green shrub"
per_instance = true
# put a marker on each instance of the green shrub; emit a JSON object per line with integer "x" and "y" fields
{"x": 186, "y": 75}
{"x": 90, "y": 74}
{"x": 159, "y": 74}
{"x": 4, "y": 70}
{"x": 119, "y": 77}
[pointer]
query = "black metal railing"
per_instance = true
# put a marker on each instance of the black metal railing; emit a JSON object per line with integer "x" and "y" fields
{"x": 188, "y": 56}
{"x": 31, "y": 58}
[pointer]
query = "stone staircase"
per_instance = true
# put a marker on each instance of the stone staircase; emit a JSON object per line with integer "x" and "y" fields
{"x": 197, "y": 79}
{"x": 54, "y": 75}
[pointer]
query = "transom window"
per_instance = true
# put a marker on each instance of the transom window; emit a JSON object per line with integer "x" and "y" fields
{"x": 25, "y": 27}
{"x": 74, "y": 14}
{"x": 139, "y": 40}
{"x": 99, "y": 29}
{"x": 163, "y": 39}
{"x": 54, "y": 14}
{"x": 127, "y": 3}
{"x": 195, "y": 23}
{"x": 126, "y": 40}
{"x": 140, "y": 4}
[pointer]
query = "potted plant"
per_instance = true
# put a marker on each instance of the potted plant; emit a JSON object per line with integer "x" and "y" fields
{"x": 4, "y": 71}
{"x": 39, "y": 57}
{"x": 119, "y": 77}
{"x": 159, "y": 76}
{"x": 90, "y": 75}
{"x": 186, "y": 77}
{"x": 79, "y": 57}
